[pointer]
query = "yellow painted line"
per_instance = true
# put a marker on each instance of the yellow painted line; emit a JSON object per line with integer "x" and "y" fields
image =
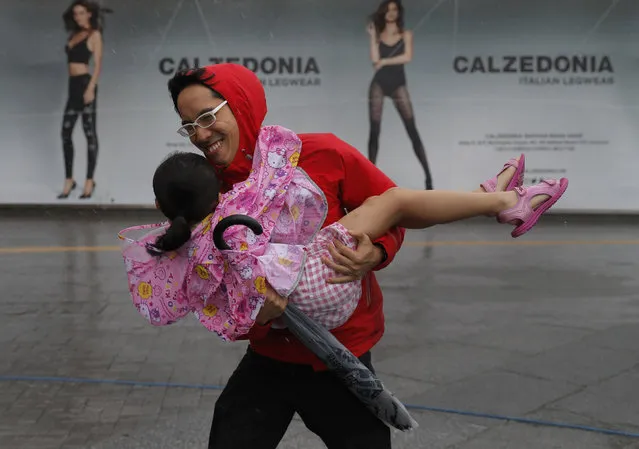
{"x": 63, "y": 249}
{"x": 523, "y": 243}
{"x": 57, "y": 249}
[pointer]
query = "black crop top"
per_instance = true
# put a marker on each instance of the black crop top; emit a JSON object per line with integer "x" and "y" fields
{"x": 79, "y": 53}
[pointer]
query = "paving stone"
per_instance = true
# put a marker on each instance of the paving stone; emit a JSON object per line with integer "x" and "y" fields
{"x": 468, "y": 328}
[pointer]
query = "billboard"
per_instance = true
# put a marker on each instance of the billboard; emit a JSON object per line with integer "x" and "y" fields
{"x": 486, "y": 81}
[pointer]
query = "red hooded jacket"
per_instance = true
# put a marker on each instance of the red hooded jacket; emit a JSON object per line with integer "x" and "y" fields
{"x": 345, "y": 176}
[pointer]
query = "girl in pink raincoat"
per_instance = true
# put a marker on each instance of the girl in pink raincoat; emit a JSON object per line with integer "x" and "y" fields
{"x": 175, "y": 269}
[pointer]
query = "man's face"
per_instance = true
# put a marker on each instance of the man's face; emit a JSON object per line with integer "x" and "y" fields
{"x": 219, "y": 142}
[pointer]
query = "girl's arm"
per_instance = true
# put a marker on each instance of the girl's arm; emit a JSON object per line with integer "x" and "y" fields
{"x": 404, "y": 58}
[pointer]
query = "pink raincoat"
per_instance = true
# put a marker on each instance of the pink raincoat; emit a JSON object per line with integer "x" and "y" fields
{"x": 225, "y": 289}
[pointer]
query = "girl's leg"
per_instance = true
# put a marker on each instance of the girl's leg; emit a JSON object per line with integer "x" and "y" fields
{"x": 416, "y": 209}
{"x": 378, "y": 214}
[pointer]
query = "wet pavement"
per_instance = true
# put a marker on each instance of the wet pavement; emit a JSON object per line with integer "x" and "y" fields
{"x": 543, "y": 330}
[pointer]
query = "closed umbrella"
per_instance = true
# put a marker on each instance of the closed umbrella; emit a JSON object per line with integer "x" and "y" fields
{"x": 360, "y": 380}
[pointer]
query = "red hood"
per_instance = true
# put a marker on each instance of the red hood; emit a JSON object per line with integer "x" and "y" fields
{"x": 246, "y": 97}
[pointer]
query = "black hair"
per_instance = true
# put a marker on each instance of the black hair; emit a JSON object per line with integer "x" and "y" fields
{"x": 185, "y": 78}
{"x": 379, "y": 16}
{"x": 186, "y": 189}
{"x": 97, "y": 16}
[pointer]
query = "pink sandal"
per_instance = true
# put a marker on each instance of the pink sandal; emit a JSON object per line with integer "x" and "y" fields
{"x": 522, "y": 214}
{"x": 517, "y": 179}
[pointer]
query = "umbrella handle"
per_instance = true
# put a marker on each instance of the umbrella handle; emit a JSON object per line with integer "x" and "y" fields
{"x": 232, "y": 220}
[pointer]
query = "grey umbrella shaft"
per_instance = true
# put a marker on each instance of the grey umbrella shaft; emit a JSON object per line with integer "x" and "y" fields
{"x": 360, "y": 380}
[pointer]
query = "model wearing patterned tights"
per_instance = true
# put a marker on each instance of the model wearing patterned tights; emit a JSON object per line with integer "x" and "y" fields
{"x": 391, "y": 47}
{"x": 83, "y": 21}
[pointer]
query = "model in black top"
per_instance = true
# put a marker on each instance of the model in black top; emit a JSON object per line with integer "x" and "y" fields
{"x": 391, "y": 46}
{"x": 83, "y": 21}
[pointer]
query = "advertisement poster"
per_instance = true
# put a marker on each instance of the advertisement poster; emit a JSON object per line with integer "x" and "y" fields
{"x": 466, "y": 85}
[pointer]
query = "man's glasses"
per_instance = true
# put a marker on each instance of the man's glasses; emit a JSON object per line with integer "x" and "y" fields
{"x": 203, "y": 121}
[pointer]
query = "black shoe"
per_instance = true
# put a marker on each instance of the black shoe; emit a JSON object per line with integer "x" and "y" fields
{"x": 429, "y": 184}
{"x": 84, "y": 196}
{"x": 64, "y": 195}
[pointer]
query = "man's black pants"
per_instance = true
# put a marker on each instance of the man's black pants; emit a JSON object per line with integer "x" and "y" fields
{"x": 262, "y": 395}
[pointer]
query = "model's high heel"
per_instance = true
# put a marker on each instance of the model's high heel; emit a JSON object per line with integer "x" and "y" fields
{"x": 85, "y": 196}
{"x": 65, "y": 195}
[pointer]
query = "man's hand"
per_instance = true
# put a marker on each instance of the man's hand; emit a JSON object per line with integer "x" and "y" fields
{"x": 274, "y": 306}
{"x": 353, "y": 264}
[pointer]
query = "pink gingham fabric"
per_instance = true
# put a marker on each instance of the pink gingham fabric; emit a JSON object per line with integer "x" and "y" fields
{"x": 328, "y": 304}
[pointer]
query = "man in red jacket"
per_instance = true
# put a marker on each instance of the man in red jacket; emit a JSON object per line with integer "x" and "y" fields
{"x": 223, "y": 107}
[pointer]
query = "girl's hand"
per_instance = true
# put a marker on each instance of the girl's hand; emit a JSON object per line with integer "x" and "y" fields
{"x": 274, "y": 306}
